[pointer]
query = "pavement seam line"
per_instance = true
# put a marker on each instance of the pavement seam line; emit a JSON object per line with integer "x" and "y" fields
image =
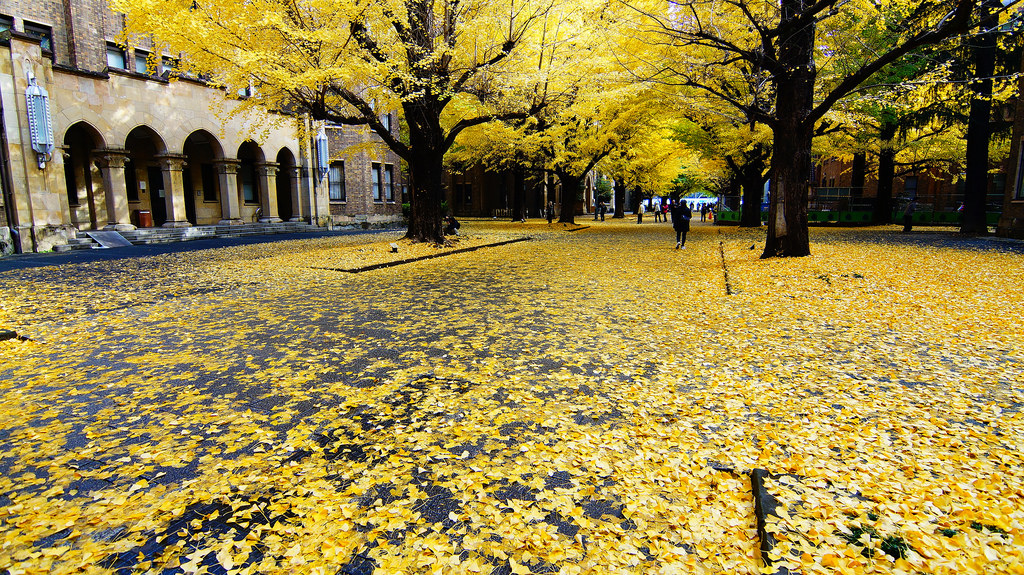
{"x": 420, "y": 258}
{"x": 725, "y": 268}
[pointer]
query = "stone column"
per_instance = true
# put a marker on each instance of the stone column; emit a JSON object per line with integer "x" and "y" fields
{"x": 299, "y": 213}
{"x": 268, "y": 191}
{"x": 174, "y": 187}
{"x": 230, "y": 212}
{"x": 112, "y": 163}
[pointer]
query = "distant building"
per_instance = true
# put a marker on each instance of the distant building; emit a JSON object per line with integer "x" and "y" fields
{"x": 476, "y": 191}
{"x": 936, "y": 190}
{"x": 1011, "y": 224}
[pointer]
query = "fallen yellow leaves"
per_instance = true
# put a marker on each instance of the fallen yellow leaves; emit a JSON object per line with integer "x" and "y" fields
{"x": 584, "y": 403}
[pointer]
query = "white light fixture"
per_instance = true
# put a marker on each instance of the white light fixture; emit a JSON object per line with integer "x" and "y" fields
{"x": 39, "y": 125}
{"x": 323, "y": 154}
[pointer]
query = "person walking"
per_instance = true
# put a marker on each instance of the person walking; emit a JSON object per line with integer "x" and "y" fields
{"x": 908, "y": 215}
{"x": 681, "y": 214}
{"x": 703, "y": 212}
{"x": 640, "y": 213}
{"x": 657, "y": 210}
{"x": 551, "y": 212}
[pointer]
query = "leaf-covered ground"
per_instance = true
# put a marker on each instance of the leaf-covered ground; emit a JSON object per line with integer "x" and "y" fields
{"x": 584, "y": 402}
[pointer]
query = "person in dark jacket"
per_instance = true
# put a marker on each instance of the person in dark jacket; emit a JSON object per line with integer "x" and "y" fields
{"x": 681, "y": 214}
{"x": 451, "y": 226}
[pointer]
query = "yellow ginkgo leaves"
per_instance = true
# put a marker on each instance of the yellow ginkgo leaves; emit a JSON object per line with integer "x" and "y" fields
{"x": 582, "y": 403}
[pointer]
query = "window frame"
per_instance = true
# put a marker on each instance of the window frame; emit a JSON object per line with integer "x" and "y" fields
{"x": 6, "y": 25}
{"x": 248, "y": 168}
{"x": 336, "y": 183}
{"x": 111, "y": 49}
{"x": 389, "y": 183}
{"x": 144, "y": 55}
{"x": 43, "y": 33}
{"x": 907, "y": 189}
{"x": 377, "y": 182}
{"x": 168, "y": 65}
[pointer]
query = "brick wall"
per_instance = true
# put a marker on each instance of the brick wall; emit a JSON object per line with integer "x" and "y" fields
{"x": 359, "y": 149}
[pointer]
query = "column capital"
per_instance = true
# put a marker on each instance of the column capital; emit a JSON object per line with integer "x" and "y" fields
{"x": 268, "y": 168}
{"x": 175, "y": 162}
{"x": 111, "y": 157}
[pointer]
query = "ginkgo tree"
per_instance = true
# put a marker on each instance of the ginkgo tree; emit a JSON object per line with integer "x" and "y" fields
{"x": 447, "y": 65}
{"x": 787, "y": 42}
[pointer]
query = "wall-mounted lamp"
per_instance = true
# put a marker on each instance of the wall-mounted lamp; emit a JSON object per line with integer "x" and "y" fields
{"x": 39, "y": 125}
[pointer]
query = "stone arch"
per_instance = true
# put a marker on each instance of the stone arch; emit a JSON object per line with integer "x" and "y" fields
{"x": 202, "y": 153}
{"x": 144, "y": 178}
{"x": 287, "y": 186}
{"x": 83, "y": 179}
{"x": 252, "y": 187}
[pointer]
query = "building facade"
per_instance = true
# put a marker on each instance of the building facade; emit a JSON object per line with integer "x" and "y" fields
{"x": 139, "y": 143}
{"x": 476, "y": 191}
{"x": 935, "y": 189}
{"x": 365, "y": 183}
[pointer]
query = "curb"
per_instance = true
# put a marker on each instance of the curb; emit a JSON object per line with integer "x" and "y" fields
{"x": 421, "y": 258}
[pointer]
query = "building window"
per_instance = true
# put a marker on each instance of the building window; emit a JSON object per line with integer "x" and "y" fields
{"x": 168, "y": 66}
{"x": 6, "y": 23}
{"x": 378, "y": 190}
{"x": 248, "y": 173}
{"x": 43, "y": 33}
{"x": 141, "y": 62}
{"x": 910, "y": 187}
{"x": 1019, "y": 187}
{"x": 386, "y": 120}
{"x": 336, "y": 182}
{"x": 389, "y": 182}
{"x": 115, "y": 57}
{"x": 209, "y": 177}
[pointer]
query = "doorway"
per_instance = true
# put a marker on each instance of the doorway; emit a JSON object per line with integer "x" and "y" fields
{"x": 157, "y": 194}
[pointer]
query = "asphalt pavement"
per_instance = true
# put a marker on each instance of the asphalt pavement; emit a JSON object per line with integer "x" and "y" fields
{"x": 34, "y": 260}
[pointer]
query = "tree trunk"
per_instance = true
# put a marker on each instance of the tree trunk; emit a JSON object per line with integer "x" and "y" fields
{"x": 620, "y": 200}
{"x": 518, "y": 194}
{"x": 752, "y": 184}
{"x": 571, "y": 185}
{"x": 426, "y": 169}
{"x": 886, "y": 173}
{"x": 792, "y": 134}
{"x": 858, "y": 176}
{"x": 979, "y": 130}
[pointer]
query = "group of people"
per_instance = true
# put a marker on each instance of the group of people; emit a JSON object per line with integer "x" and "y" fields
{"x": 661, "y": 211}
{"x": 681, "y": 214}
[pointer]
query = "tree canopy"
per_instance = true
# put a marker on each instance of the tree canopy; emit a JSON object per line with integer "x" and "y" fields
{"x": 577, "y": 82}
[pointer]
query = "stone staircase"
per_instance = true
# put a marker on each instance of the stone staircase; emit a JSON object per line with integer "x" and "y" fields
{"x": 145, "y": 236}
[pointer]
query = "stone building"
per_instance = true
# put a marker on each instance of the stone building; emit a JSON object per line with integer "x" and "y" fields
{"x": 137, "y": 142}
